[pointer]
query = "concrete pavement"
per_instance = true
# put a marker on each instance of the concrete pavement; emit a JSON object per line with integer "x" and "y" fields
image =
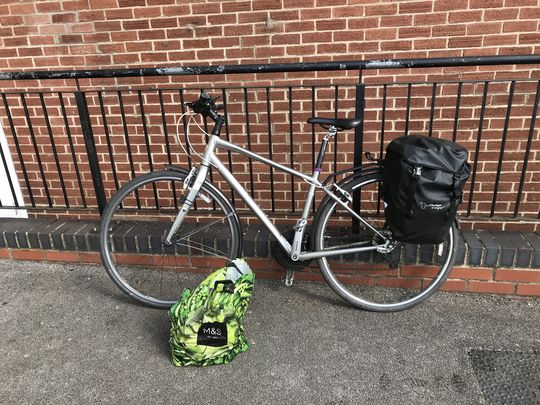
{"x": 67, "y": 335}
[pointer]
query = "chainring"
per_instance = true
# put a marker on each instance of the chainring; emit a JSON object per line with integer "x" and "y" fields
{"x": 283, "y": 257}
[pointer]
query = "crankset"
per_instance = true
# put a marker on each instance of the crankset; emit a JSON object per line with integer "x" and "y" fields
{"x": 283, "y": 257}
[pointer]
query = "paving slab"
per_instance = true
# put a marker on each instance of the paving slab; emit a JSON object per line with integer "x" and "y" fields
{"x": 69, "y": 336}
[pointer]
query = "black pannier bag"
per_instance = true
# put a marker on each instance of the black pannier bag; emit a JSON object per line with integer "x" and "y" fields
{"x": 423, "y": 180}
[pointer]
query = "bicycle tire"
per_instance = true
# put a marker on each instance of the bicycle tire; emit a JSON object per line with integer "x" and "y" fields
{"x": 368, "y": 280}
{"x": 133, "y": 228}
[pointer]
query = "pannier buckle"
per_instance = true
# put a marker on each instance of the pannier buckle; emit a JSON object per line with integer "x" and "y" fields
{"x": 417, "y": 172}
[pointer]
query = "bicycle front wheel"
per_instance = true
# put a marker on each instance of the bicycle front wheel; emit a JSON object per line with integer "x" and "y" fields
{"x": 132, "y": 237}
{"x": 372, "y": 280}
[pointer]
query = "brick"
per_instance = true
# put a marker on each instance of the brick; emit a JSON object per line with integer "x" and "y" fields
{"x": 131, "y": 3}
{"x": 24, "y": 254}
{"x": 529, "y": 38}
{"x": 534, "y": 240}
{"x": 491, "y": 287}
{"x": 454, "y": 285}
{"x": 266, "y": 4}
{"x": 523, "y": 249}
{"x": 450, "y": 5}
{"x": 471, "y": 273}
{"x": 5, "y": 253}
{"x": 326, "y": 25}
{"x": 86, "y": 257}
{"x": 465, "y": 42}
{"x": 70, "y": 39}
{"x": 485, "y": 3}
{"x": 396, "y": 21}
{"x": 64, "y": 18}
{"x": 135, "y": 25}
{"x": 206, "y": 262}
{"x": 528, "y": 13}
{"x": 529, "y": 276}
{"x": 465, "y": 16}
{"x": 56, "y": 256}
{"x": 474, "y": 247}
{"x": 484, "y": 28}
{"x": 528, "y": 289}
{"x": 459, "y": 258}
{"x": 416, "y": 7}
{"x": 381, "y": 10}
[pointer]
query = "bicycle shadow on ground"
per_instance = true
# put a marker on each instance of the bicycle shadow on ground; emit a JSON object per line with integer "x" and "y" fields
{"x": 309, "y": 290}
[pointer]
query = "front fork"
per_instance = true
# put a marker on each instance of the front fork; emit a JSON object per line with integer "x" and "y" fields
{"x": 194, "y": 189}
{"x": 188, "y": 202}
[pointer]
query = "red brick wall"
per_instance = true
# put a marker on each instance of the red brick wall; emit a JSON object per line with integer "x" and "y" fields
{"x": 70, "y": 34}
{"x": 99, "y": 33}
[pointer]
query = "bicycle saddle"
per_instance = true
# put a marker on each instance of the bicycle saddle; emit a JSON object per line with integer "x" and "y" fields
{"x": 340, "y": 124}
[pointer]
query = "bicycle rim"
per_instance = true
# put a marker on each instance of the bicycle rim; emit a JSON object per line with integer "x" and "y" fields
{"x": 133, "y": 230}
{"x": 372, "y": 280}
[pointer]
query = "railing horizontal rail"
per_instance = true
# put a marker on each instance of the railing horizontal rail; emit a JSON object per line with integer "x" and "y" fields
{"x": 275, "y": 67}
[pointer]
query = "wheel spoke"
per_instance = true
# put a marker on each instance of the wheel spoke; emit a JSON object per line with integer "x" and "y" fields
{"x": 132, "y": 238}
{"x": 396, "y": 280}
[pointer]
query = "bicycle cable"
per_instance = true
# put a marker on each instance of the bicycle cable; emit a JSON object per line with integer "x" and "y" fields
{"x": 190, "y": 147}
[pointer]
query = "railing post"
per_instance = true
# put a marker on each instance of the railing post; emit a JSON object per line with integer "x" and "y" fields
{"x": 93, "y": 161}
{"x": 358, "y": 145}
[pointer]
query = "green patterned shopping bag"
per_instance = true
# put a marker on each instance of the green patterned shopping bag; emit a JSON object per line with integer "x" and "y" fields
{"x": 207, "y": 324}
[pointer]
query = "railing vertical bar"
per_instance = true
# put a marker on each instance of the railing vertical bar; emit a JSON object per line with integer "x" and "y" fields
{"x": 313, "y": 126}
{"x": 358, "y": 146}
{"x": 248, "y": 133}
{"x": 456, "y": 114}
{"x": 381, "y": 150}
{"x": 503, "y": 144}
{"x": 91, "y": 151}
{"x": 313, "y": 139}
{"x": 8, "y": 175}
{"x": 336, "y": 107}
{"x": 477, "y": 150}
{"x": 432, "y": 112}
{"x": 527, "y": 151}
{"x": 268, "y": 113}
{"x": 128, "y": 144}
{"x": 206, "y": 138}
{"x": 108, "y": 138}
{"x": 291, "y": 147}
{"x": 164, "y": 126}
{"x": 228, "y": 135}
{"x": 184, "y": 122}
{"x": 4, "y": 161}
{"x": 167, "y": 143}
{"x": 408, "y": 108}
{"x": 34, "y": 144}
{"x": 55, "y": 152}
{"x": 147, "y": 143}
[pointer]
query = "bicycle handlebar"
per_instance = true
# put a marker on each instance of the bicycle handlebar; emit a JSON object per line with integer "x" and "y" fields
{"x": 206, "y": 106}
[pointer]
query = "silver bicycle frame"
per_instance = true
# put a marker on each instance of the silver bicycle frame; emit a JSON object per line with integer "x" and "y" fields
{"x": 293, "y": 250}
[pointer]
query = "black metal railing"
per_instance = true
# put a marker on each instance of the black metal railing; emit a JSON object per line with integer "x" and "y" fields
{"x": 75, "y": 147}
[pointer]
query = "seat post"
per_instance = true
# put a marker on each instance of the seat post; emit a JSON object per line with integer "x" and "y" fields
{"x": 332, "y": 131}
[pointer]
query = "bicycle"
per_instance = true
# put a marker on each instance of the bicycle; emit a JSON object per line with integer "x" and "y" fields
{"x": 162, "y": 223}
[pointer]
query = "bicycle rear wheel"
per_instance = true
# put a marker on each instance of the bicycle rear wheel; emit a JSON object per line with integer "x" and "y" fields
{"x": 371, "y": 280}
{"x": 132, "y": 237}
